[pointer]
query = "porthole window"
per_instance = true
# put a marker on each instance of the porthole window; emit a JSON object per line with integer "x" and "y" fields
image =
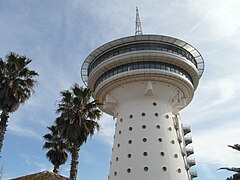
{"x": 116, "y": 158}
{"x": 119, "y": 132}
{"x": 144, "y": 139}
{"x": 156, "y": 114}
{"x": 179, "y": 170}
{"x": 115, "y": 173}
{"x": 160, "y": 139}
{"x": 143, "y": 114}
{"x": 175, "y": 155}
{"x": 130, "y": 128}
{"x": 130, "y": 116}
{"x": 162, "y": 153}
{"x": 172, "y": 141}
{"x": 121, "y": 120}
{"x": 154, "y": 103}
{"x": 158, "y": 126}
{"x": 145, "y": 168}
{"x": 167, "y": 116}
{"x": 129, "y": 155}
{"x": 145, "y": 154}
{"x": 128, "y": 170}
{"x": 164, "y": 168}
{"x": 170, "y": 129}
{"x": 129, "y": 141}
{"x": 118, "y": 145}
{"x": 144, "y": 126}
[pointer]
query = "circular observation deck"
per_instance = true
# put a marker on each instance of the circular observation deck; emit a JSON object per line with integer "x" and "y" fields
{"x": 143, "y": 58}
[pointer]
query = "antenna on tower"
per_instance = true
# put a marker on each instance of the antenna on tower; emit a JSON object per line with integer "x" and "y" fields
{"x": 138, "y": 28}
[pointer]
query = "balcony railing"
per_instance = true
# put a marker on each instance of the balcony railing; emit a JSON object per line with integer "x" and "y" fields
{"x": 186, "y": 129}
{"x": 188, "y": 140}
{"x": 193, "y": 174}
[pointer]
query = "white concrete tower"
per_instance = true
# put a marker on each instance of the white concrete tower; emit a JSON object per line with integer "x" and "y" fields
{"x": 144, "y": 81}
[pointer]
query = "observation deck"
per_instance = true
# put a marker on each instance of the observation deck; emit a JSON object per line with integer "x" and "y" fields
{"x": 142, "y": 44}
{"x": 131, "y": 58}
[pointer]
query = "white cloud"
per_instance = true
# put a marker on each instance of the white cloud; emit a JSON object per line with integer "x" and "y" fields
{"x": 214, "y": 99}
{"x": 211, "y": 144}
{"x": 107, "y": 129}
{"x": 24, "y": 131}
{"x": 218, "y": 17}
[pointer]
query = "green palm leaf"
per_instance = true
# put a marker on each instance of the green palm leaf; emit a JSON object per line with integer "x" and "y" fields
{"x": 16, "y": 86}
{"x": 78, "y": 120}
{"x": 57, "y": 146}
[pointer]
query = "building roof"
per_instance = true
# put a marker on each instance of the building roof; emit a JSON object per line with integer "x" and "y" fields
{"x": 45, "y": 175}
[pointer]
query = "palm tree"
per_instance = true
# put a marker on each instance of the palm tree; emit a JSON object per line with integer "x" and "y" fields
{"x": 57, "y": 148}
{"x": 77, "y": 120}
{"x": 16, "y": 86}
{"x": 234, "y": 169}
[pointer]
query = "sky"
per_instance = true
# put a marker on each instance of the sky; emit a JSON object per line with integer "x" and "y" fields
{"x": 59, "y": 34}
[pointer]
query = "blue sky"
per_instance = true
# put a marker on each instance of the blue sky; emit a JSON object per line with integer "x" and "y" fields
{"x": 59, "y": 34}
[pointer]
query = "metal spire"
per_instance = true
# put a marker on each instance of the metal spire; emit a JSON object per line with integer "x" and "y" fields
{"x": 138, "y": 28}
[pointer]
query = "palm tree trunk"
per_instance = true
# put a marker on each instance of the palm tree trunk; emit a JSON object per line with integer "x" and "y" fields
{"x": 236, "y": 176}
{"x": 3, "y": 127}
{"x": 56, "y": 169}
{"x": 74, "y": 162}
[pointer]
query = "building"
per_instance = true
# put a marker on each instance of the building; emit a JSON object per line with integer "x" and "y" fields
{"x": 144, "y": 81}
{"x": 45, "y": 175}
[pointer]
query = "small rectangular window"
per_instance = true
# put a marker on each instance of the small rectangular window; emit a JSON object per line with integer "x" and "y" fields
{"x": 127, "y": 50}
{"x": 152, "y": 65}
{"x": 146, "y": 65}
{"x": 158, "y": 66}
{"x": 141, "y": 66}
{"x": 135, "y": 66}
{"x": 125, "y": 68}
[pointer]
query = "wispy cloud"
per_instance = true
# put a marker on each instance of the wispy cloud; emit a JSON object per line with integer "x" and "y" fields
{"x": 211, "y": 143}
{"x": 220, "y": 17}
{"x": 107, "y": 129}
{"x": 24, "y": 131}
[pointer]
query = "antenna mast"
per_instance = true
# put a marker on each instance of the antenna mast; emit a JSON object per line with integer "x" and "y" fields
{"x": 138, "y": 28}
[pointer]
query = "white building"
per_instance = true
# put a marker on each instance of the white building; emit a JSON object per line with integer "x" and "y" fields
{"x": 144, "y": 81}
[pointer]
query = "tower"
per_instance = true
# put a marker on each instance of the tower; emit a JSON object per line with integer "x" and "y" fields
{"x": 138, "y": 27}
{"x": 144, "y": 81}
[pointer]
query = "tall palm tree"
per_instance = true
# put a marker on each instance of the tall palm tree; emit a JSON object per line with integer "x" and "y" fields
{"x": 57, "y": 148}
{"x": 16, "y": 86}
{"x": 77, "y": 120}
{"x": 236, "y": 176}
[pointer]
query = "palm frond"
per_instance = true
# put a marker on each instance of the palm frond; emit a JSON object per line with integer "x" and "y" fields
{"x": 16, "y": 82}
{"x": 57, "y": 146}
{"x": 230, "y": 169}
{"x": 235, "y": 146}
{"x": 78, "y": 113}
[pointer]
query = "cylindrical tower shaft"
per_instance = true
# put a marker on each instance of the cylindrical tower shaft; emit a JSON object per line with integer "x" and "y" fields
{"x": 146, "y": 142}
